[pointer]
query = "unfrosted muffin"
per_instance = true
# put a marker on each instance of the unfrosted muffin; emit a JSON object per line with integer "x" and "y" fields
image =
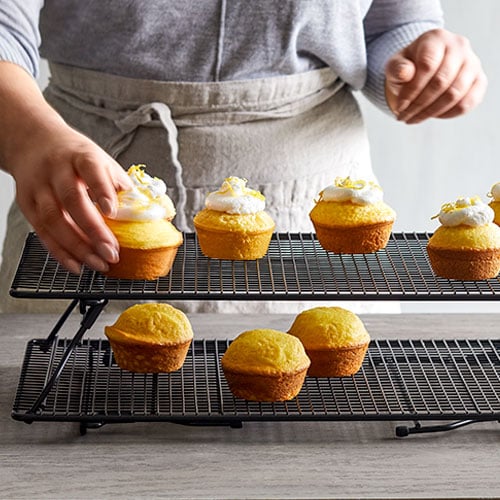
{"x": 467, "y": 244}
{"x": 233, "y": 225}
{"x": 495, "y": 202}
{"x": 350, "y": 216}
{"x": 335, "y": 339}
{"x": 265, "y": 365}
{"x": 142, "y": 225}
{"x": 150, "y": 338}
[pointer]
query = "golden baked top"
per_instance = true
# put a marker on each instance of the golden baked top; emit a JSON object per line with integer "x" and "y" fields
{"x": 214, "y": 220}
{"x": 145, "y": 234}
{"x": 463, "y": 237}
{"x": 329, "y": 327}
{"x": 265, "y": 352}
{"x": 151, "y": 323}
{"x": 346, "y": 213}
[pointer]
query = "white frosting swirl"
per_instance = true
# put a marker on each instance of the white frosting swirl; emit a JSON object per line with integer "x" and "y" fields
{"x": 466, "y": 211}
{"x": 147, "y": 200}
{"x": 495, "y": 191}
{"x": 359, "y": 192}
{"x": 233, "y": 197}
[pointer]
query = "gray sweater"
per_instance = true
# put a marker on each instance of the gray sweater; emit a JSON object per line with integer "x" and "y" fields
{"x": 216, "y": 40}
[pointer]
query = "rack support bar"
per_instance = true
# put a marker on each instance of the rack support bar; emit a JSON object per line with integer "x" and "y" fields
{"x": 92, "y": 310}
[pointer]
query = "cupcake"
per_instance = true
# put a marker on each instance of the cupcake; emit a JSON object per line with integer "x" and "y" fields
{"x": 142, "y": 225}
{"x": 150, "y": 338}
{"x": 265, "y": 365}
{"x": 350, "y": 216}
{"x": 467, "y": 244}
{"x": 334, "y": 338}
{"x": 233, "y": 225}
{"x": 495, "y": 202}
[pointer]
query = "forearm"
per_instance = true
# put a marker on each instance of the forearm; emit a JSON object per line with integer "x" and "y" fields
{"x": 25, "y": 113}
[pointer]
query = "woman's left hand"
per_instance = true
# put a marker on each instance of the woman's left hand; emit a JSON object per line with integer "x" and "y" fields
{"x": 436, "y": 76}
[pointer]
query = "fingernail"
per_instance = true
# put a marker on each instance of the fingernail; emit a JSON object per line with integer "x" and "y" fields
{"x": 107, "y": 207}
{"x": 72, "y": 266}
{"x": 108, "y": 253}
{"x": 96, "y": 263}
{"x": 394, "y": 89}
{"x": 400, "y": 70}
{"x": 402, "y": 106}
{"x": 413, "y": 121}
{"x": 406, "y": 116}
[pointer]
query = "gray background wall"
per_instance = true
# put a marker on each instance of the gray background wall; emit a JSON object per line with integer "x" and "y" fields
{"x": 420, "y": 167}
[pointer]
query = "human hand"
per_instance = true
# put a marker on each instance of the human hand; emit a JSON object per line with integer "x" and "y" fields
{"x": 58, "y": 174}
{"x": 436, "y": 76}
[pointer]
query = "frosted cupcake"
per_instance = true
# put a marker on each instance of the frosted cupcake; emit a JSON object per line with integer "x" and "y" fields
{"x": 495, "y": 202}
{"x": 142, "y": 225}
{"x": 350, "y": 216}
{"x": 467, "y": 244}
{"x": 234, "y": 225}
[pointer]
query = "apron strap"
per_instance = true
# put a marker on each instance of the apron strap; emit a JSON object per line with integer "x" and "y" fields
{"x": 142, "y": 116}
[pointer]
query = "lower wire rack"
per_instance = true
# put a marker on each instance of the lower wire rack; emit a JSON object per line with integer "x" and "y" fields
{"x": 399, "y": 380}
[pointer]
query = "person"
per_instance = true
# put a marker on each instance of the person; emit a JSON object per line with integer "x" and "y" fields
{"x": 199, "y": 91}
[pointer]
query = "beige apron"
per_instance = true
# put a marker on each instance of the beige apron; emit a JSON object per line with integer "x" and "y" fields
{"x": 289, "y": 136}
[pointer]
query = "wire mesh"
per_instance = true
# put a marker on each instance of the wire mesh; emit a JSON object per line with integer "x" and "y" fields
{"x": 399, "y": 380}
{"x": 296, "y": 266}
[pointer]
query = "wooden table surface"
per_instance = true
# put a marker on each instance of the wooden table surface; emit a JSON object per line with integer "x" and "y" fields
{"x": 261, "y": 460}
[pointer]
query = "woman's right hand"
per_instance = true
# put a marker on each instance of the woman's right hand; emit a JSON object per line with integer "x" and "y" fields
{"x": 59, "y": 174}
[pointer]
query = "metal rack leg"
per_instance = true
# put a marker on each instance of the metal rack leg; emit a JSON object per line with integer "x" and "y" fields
{"x": 403, "y": 430}
{"x": 92, "y": 310}
{"x": 60, "y": 322}
{"x": 89, "y": 425}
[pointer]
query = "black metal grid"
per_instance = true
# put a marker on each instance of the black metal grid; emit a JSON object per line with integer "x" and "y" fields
{"x": 399, "y": 380}
{"x": 295, "y": 267}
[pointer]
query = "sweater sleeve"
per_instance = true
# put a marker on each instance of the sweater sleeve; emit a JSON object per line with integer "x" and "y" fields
{"x": 19, "y": 33}
{"x": 391, "y": 25}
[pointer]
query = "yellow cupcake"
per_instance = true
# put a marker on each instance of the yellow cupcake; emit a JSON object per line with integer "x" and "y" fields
{"x": 467, "y": 244}
{"x": 335, "y": 339}
{"x": 265, "y": 365}
{"x": 147, "y": 249}
{"x": 148, "y": 240}
{"x": 351, "y": 217}
{"x": 150, "y": 338}
{"x": 234, "y": 225}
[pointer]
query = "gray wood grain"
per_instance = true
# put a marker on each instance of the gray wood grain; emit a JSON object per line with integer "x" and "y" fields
{"x": 261, "y": 460}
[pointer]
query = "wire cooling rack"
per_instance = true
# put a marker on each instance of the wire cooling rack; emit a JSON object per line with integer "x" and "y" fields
{"x": 399, "y": 380}
{"x": 295, "y": 267}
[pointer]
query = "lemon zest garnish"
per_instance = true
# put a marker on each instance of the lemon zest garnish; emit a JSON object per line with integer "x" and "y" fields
{"x": 227, "y": 187}
{"x": 459, "y": 204}
{"x": 490, "y": 193}
{"x": 348, "y": 183}
{"x": 138, "y": 171}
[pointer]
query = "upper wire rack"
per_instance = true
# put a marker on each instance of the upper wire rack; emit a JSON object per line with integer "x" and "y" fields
{"x": 295, "y": 267}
